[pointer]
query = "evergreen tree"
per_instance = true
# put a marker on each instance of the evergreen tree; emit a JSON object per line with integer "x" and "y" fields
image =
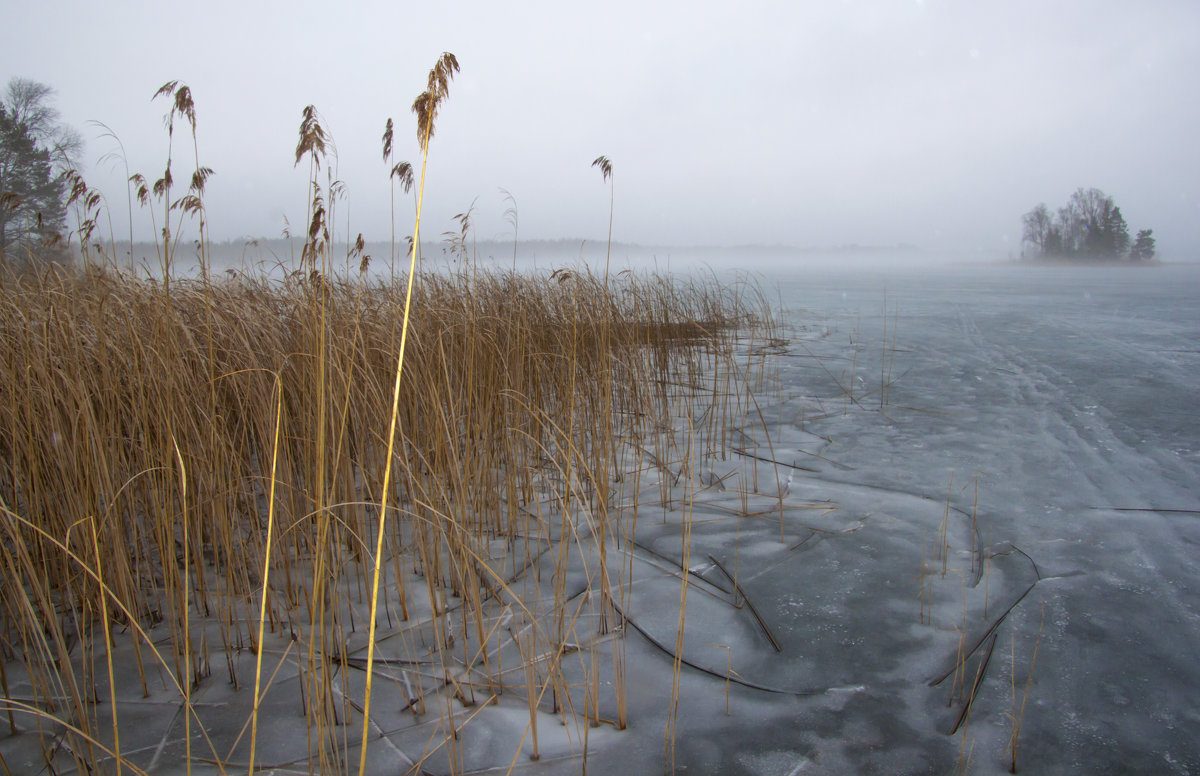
{"x": 1143, "y": 246}
{"x": 1117, "y": 232}
{"x": 32, "y": 208}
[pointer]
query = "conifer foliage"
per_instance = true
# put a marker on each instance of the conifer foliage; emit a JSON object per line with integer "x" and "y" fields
{"x": 32, "y": 194}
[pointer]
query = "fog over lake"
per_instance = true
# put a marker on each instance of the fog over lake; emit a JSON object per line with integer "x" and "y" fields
{"x": 813, "y": 124}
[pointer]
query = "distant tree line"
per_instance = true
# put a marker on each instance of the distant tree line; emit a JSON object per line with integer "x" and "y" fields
{"x": 1089, "y": 227}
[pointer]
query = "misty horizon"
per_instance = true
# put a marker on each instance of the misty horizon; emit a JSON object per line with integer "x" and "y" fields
{"x": 870, "y": 123}
{"x": 251, "y": 254}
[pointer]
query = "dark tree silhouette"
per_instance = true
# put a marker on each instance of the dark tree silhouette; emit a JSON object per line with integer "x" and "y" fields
{"x": 1143, "y": 246}
{"x": 1089, "y": 227}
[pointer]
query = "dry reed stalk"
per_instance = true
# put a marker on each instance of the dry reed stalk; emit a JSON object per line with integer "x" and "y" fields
{"x": 943, "y": 539}
{"x": 605, "y": 167}
{"x": 1018, "y": 715}
{"x": 190, "y": 680}
{"x": 266, "y": 575}
{"x": 685, "y": 564}
{"x": 426, "y": 107}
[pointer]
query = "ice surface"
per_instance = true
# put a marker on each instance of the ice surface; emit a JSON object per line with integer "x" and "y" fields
{"x": 1067, "y": 401}
{"x": 1072, "y": 396}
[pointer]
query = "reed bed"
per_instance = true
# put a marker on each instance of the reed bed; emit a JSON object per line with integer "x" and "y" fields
{"x": 191, "y": 475}
{"x": 219, "y": 499}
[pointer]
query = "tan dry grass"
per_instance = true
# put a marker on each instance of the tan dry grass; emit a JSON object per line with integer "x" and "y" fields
{"x": 117, "y": 393}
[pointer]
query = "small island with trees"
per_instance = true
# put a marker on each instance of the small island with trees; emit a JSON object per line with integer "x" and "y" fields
{"x": 1089, "y": 229}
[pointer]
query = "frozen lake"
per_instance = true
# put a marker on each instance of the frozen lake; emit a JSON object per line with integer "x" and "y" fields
{"x": 1058, "y": 411}
{"x": 963, "y": 503}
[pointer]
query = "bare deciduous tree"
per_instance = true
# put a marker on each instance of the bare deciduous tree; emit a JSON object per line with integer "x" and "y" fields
{"x": 30, "y": 103}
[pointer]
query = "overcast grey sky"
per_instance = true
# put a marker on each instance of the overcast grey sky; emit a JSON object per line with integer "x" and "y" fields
{"x": 935, "y": 123}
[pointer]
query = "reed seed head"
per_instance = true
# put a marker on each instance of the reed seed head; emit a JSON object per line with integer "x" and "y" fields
{"x": 312, "y": 137}
{"x": 182, "y": 103}
{"x": 404, "y": 172}
{"x": 427, "y": 103}
{"x": 163, "y": 184}
{"x": 140, "y": 191}
{"x": 199, "y": 178}
{"x": 387, "y": 140}
{"x": 605, "y": 166}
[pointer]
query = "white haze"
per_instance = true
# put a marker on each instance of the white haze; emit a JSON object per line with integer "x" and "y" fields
{"x": 816, "y": 125}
